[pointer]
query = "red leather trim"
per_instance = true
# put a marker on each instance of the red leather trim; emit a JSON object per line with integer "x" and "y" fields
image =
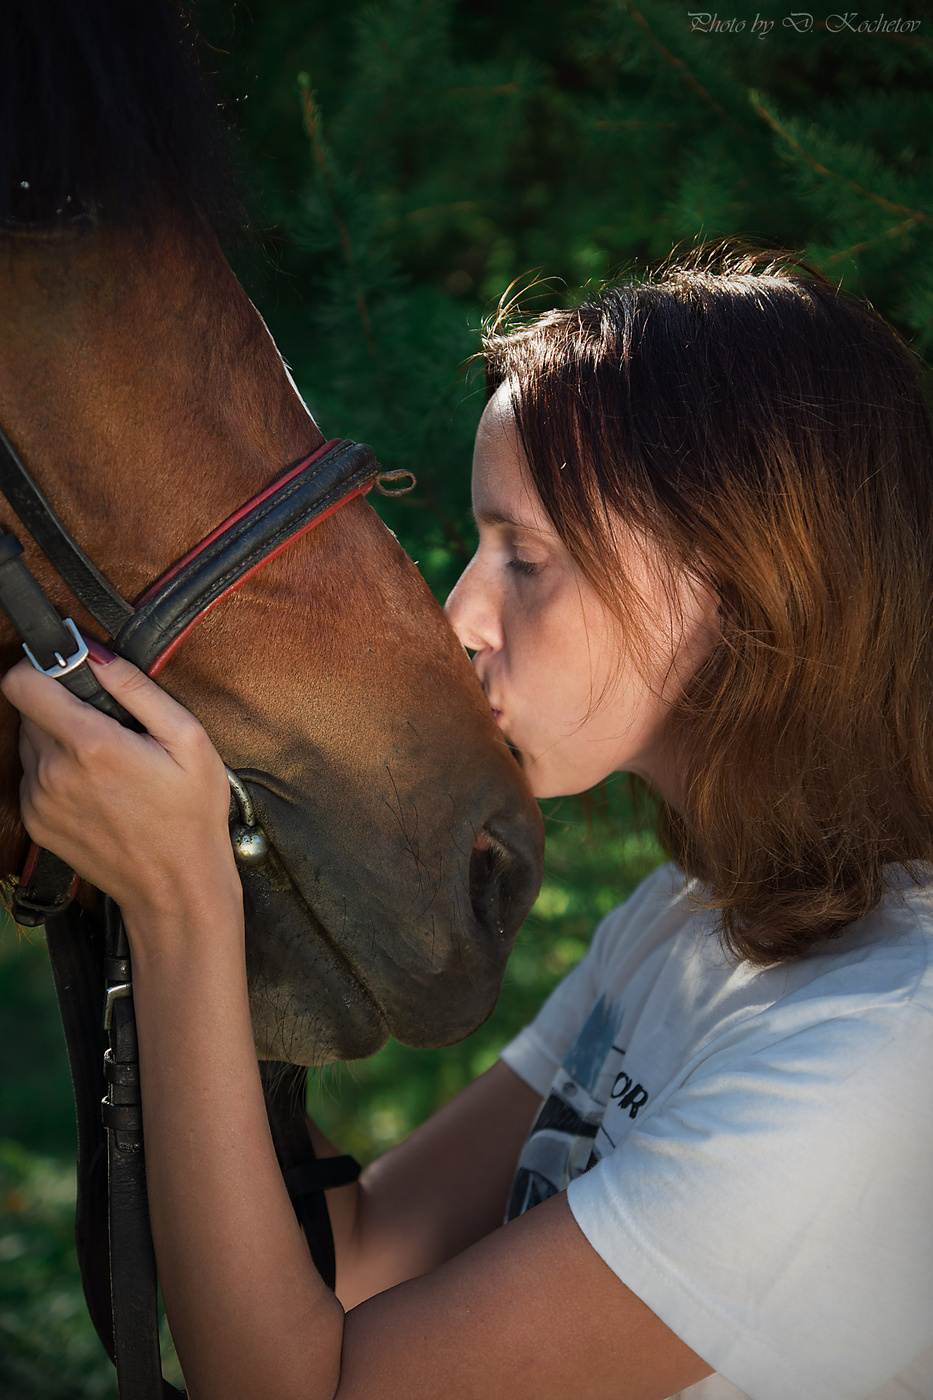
{"x": 176, "y": 642}
{"x": 237, "y": 515}
{"x": 29, "y": 866}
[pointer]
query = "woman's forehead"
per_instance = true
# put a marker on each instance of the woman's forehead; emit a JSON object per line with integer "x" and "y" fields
{"x": 503, "y": 493}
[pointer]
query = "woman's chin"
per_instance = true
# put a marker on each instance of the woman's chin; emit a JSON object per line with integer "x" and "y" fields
{"x": 547, "y": 784}
{"x": 551, "y": 780}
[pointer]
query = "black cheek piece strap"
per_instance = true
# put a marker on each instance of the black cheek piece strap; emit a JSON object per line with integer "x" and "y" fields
{"x": 90, "y": 961}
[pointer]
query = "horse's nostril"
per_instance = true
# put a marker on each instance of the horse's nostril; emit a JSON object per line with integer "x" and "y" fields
{"x": 497, "y": 885}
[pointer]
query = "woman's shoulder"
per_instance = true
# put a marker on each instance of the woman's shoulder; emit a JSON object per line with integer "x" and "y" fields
{"x": 661, "y": 904}
{"x": 664, "y": 942}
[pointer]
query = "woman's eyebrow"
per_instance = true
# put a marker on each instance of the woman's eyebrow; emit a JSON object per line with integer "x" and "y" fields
{"x": 498, "y": 517}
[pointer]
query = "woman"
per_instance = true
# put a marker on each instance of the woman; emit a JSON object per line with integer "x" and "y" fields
{"x": 705, "y": 558}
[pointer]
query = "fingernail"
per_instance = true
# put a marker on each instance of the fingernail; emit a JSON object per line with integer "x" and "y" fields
{"x": 98, "y": 652}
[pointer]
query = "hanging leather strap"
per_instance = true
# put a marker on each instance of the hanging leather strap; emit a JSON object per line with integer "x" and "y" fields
{"x": 119, "y": 1280}
{"x": 75, "y": 942}
{"x": 133, "y": 1284}
{"x": 111, "y": 1226}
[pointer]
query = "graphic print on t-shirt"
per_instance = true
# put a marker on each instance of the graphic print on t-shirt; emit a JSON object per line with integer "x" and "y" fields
{"x": 569, "y": 1135}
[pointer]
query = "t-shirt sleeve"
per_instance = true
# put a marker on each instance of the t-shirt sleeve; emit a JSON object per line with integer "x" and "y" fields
{"x": 775, "y": 1207}
{"x": 538, "y": 1050}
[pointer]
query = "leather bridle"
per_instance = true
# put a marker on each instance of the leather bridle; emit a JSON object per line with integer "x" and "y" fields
{"x": 90, "y": 961}
{"x": 149, "y": 632}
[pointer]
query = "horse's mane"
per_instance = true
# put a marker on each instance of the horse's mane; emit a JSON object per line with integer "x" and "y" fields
{"x": 104, "y": 114}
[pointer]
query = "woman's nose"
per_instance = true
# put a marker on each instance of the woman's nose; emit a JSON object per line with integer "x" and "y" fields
{"x": 471, "y": 612}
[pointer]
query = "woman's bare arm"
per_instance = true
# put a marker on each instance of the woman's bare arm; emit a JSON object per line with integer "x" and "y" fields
{"x": 436, "y": 1193}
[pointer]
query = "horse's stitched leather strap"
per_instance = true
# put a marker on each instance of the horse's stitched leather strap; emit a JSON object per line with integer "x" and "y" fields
{"x": 301, "y": 499}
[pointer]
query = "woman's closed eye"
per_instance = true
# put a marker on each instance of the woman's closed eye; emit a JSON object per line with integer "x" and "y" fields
{"x": 523, "y": 566}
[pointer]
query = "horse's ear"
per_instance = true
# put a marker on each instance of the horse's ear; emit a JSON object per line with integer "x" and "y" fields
{"x": 104, "y": 113}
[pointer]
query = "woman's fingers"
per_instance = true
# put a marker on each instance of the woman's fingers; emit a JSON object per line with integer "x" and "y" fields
{"x": 102, "y": 796}
{"x": 61, "y": 714}
{"x": 49, "y": 705}
{"x": 169, "y": 723}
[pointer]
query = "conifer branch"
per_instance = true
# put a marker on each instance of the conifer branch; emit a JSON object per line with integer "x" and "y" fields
{"x": 501, "y": 89}
{"x": 693, "y": 83}
{"x": 315, "y": 130}
{"x": 916, "y": 214}
{"x": 456, "y": 206}
{"x": 857, "y": 248}
{"x": 632, "y": 124}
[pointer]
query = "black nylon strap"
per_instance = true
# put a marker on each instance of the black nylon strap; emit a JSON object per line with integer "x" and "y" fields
{"x": 322, "y": 1174}
{"x": 284, "y": 1089}
{"x": 36, "y": 512}
{"x": 209, "y": 574}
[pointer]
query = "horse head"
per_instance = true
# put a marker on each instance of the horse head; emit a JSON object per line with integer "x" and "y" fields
{"x": 143, "y": 390}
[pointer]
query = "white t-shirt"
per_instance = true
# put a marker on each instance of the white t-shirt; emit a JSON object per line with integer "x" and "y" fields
{"x": 751, "y": 1151}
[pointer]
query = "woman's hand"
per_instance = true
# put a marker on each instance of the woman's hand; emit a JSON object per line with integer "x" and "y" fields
{"x": 141, "y": 816}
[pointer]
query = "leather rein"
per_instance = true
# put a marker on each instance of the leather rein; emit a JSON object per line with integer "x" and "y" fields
{"x": 90, "y": 960}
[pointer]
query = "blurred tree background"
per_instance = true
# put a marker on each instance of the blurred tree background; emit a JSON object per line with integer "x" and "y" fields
{"x": 406, "y": 161}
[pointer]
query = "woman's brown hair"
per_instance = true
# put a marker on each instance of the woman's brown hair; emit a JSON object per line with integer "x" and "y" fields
{"x": 772, "y": 435}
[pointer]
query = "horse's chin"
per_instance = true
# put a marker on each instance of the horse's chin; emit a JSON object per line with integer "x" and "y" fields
{"x": 310, "y": 1005}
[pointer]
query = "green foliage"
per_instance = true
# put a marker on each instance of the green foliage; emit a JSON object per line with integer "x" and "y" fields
{"x": 36, "y": 1103}
{"x": 47, "y": 1345}
{"x": 456, "y": 147}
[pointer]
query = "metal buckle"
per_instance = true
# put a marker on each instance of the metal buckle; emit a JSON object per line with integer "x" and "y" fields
{"x": 63, "y": 666}
{"x": 117, "y": 993}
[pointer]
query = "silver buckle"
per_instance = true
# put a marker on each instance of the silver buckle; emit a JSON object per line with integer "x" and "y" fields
{"x": 116, "y": 993}
{"x": 63, "y": 666}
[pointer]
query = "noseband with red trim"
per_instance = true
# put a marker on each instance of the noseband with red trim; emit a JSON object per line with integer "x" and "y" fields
{"x": 247, "y": 540}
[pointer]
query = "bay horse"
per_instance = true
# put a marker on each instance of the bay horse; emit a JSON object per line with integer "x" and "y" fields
{"x": 145, "y": 393}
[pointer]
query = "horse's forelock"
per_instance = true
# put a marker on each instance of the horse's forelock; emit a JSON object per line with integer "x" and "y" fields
{"x": 105, "y": 112}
